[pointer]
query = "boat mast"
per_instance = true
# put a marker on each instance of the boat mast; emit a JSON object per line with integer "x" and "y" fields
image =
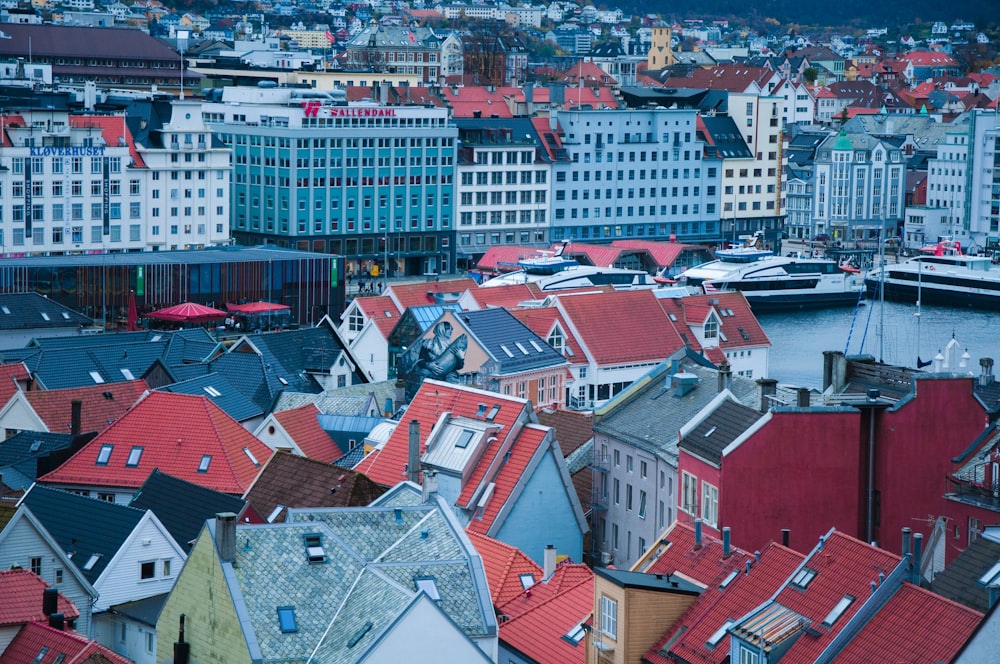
{"x": 881, "y": 293}
{"x": 920, "y": 275}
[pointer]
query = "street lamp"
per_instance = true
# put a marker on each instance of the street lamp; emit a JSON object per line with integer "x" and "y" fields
{"x": 182, "y": 42}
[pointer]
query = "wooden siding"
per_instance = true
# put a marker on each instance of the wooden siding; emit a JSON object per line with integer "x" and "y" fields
{"x": 120, "y": 582}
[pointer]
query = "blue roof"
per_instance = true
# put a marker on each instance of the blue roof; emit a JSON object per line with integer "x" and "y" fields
{"x": 221, "y": 392}
{"x": 510, "y": 342}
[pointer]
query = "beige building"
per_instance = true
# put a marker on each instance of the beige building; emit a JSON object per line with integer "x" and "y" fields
{"x": 660, "y": 53}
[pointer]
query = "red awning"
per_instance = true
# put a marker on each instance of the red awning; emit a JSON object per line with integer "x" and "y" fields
{"x": 257, "y": 307}
{"x": 188, "y": 312}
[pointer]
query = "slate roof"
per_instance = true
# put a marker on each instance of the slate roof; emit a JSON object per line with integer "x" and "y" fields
{"x": 372, "y": 557}
{"x": 329, "y": 403}
{"x": 648, "y": 413}
{"x": 57, "y": 41}
{"x": 71, "y": 520}
{"x": 246, "y": 371}
{"x": 914, "y": 620}
{"x": 539, "y": 620}
{"x": 292, "y": 481}
{"x": 504, "y": 566}
{"x": 722, "y": 601}
{"x": 351, "y": 459}
{"x": 22, "y": 591}
{"x": 727, "y": 422}
{"x": 101, "y": 405}
{"x": 60, "y": 646}
{"x": 154, "y": 424}
{"x": 221, "y": 392}
{"x": 27, "y": 446}
{"x": 959, "y": 581}
{"x": 182, "y": 507}
{"x": 650, "y": 335}
{"x": 302, "y": 426}
{"x": 724, "y": 136}
{"x": 95, "y": 365}
{"x": 514, "y": 347}
{"x": 23, "y": 311}
{"x": 291, "y": 352}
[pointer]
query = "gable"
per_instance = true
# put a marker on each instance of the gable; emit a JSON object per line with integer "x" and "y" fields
{"x": 149, "y": 544}
{"x": 18, "y": 414}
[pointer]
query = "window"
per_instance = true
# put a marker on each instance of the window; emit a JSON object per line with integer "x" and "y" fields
{"x": 104, "y": 455}
{"x": 642, "y": 504}
{"x": 617, "y": 491}
{"x": 166, "y": 567}
{"x": 150, "y": 641}
{"x": 203, "y": 465}
{"x": 286, "y": 620}
{"x": 719, "y": 633}
{"x": 711, "y": 328}
{"x": 689, "y": 493}
{"x": 803, "y": 577}
{"x": 253, "y": 459}
{"x": 59, "y": 576}
{"x": 642, "y": 469}
{"x": 709, "y": 504}
{"x": 146, "y": 570}
{"x": 838, "y": 610}
{"x": 748, "y": 655}
{"x": 575, "y": 634}
{"x": 527, "y": 580}
{"x": 36, "y": 566}
{"x": 609, "y": 617}
{"x": 628, "y": 497}
{"x": 628, "y": 462}
{"x": 133, "y": 457}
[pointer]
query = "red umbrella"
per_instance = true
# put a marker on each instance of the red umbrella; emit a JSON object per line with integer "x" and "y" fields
{"x": 188, "y": 312}
{"x": 257, "y": 307}
{"x": 132, "y": 315}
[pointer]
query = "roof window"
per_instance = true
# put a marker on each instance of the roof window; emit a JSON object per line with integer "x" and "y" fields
{"x": 506, "y": 350}
{"x": 89, "y": 565}
{"x": 286, "y": 620}
{"x": 464, "y": 439}
{"x": 45, "y": 316}
{"x": 314, "y": 548}
{"x": 729, "y": 578}
{"x": 803, "y": 577}
{"x": 575, "y": 634}
{"x": 534, "y": 344}
{"x": 65, "y": 315}
{"x": 494, "y": 411}
{"x": 253, "y": 459}
{"x": 718, "y": 634}
{"x": 104, "y": 455}
{"x": 838, "y": 610}
{"x": 275, "y": 513}
{"x": 427, "y": 584}
{"x": 521, "y": 347}
{"x": 527, "y": 580}
{"x": 128, "y": 374}
{"x": 133, "y": 457}
{"x": 97, "y": 378}
{"x": 45, "y": 649}
{"x": 35, "y": 445}
{"x": 5, "y": 309}
{"x": 203, "y": 464}
{"x": 212, "y": 392}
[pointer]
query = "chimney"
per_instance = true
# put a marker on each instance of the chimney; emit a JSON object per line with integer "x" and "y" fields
{"x": 697, "y": 534}
{"x": 918, "y": 550}
{"x": 182, "y": 649}
{"x": 986, "y": 375}
{"x": 786, "y": 536}
{"x": 802, "y": 397}
{"x": 726, "y": 549}
{"x": 549, "y": 562}
{"x": 225, "y": 536}
{"x": 388, "y": 410}
{"x": 76, "y": 416}
{"x": 725, "y": 376}
{"x": 683, "y": 383}
{"x": 56, "y": 621}
{"x": 50, "y": 601}
{"x": 430, "y": 485}
{"x": 834, "y": 370}
{"x": 768, "y": 388}
{"x": 400, "y": 392}
{"x": 413, "y": 454}
{"x": 906, "y": 541}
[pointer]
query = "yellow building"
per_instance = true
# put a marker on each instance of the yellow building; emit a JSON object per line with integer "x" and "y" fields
{"x": 660, "y": 54}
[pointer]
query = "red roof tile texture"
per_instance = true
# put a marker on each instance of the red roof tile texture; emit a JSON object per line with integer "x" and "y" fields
{"x": 702, "y": 565}
{"x": 914, "y": 620}
{"x": 504, "y": 566}
{"x": 381, "y": 310}
{"x": 73, "y": 646}
{"x": 649, "y": 337}
{"x": 415, "y": 294}
{"x": 507, "y": 297}
{"x": 22, "y": 592}
{"x": 302, "y": 426}
{"x": 543, "y": 321}
{"x": 176, "y": 432}
{"x": 100, "y": 405}
{"x": 11, "y": 375}
{"x": 664, "y": 253}
{"x": 113, "y": 130}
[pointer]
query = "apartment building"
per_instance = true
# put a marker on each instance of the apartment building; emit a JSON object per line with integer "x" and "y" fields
{"x": 983, "y": 196}
{"x": 421, "y": 51}
{"x": 369, "y": 180}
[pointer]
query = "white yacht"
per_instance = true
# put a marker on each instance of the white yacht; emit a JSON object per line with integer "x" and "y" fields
{"x": 773, "y": 283}
{"x": 947, "y": 278}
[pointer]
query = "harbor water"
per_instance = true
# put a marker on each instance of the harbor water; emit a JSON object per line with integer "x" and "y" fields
{"x": 895, "y": 335}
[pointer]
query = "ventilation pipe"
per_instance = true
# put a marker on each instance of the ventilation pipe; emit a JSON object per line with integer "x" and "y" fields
{"x": 182, "y": 649}
{"x": 413, "y": 457}
{"x": 726, "y": 548}
{"x": 918, "y": 551}
{"x": 697, "y": 534}
{"x": 986, "y": 373}
{"x": 725, "y": 377}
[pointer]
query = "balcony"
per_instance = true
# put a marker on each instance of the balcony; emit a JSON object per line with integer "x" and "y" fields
{"x": 980, "y": 494}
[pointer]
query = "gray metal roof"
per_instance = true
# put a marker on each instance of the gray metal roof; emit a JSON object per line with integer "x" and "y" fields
{"x": 511, "y": 343}
{"x": 724, "y": 425}
{"x": 19, "y": 311}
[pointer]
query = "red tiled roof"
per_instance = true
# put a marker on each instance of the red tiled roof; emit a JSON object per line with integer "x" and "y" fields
{"x": 504, "y": 564}
{"x": 10, "y": 376}
{"x": 572, "y": 428}
{"x": 113, "y": 130}
{"x": 551, "y": 140}
{"x": 22, "y": 592}
{"x": 541, "y": 321}
{"x": 844, "y": 566}
{"x": 302, "y": 426}
{"x": 521, "y": 453}
{"x": 8, "y": 121}
{"x": 664, "y": 253}
{"x": 648, "y": 339}
{"x": 467, "y": 100}
{"x": 717, "y": 605}
{"x": 415, "y": 294}
{"x": 74, "y": 647}
{"x": 375, "y": 308}
{"x": 914, "y": 620}
{"x": 542, "y": 615}
{"x": 702, "y": 565}
{"x": 388, "y": 465}
{"x": 507, "y": 297}
{"x": 928, "y": 59}
{"x": 742, "y": 321}
{"x": 100, "y": 406}
{"x": 504, "y": 257}
{"x": 175, "y": 432}
{"x": 587, "y": 72}
{"x": 592, "y": 254}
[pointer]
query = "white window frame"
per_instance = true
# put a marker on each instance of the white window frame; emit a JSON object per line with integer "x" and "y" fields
{"x": 710, "y": 504}
{"x": 609, "y": 617}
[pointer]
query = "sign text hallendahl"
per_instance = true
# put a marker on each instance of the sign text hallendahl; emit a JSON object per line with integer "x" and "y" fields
{"x": 341, "y": 112}
{"x": 66, "y": 152}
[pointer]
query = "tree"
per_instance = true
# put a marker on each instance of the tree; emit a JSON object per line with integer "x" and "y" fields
{"x": 810, "y": 74}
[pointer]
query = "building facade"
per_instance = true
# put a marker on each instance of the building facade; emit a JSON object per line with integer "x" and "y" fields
{"x": 372, "y": 181}
{"x": 406, "y": 50}
{"x": 983, "y": 196}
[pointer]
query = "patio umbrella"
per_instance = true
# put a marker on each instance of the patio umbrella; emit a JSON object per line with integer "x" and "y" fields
{"x": 188, "y": 312}
{"x": 131, "y": 325}
{"x": 257, "y": 307}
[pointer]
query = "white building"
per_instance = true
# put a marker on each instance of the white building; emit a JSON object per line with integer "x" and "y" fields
{"x": 946, "y": 213}
{"x": 984, "y": 183}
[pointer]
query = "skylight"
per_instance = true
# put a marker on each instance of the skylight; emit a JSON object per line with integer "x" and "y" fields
{"x": 253, "y": 459}
{"x": 274, "y": 513}
{"x": 521, "y": 347}
{"x": 494, "y": 411}
{"x": 65, "y": 315}
{"x": 127, "y": 373}
{"x": 718, "y": 634}
{"x": 133, "y": 457}
{"x": 35, "y": 445}
{"x": 575, "y": 634}
{"x": 729, "y": 578}
{"x": 464, "y": 439}
{"x": 534, "y": 344}
{"x": 286, "y": 620}
{"x": 673, "y": 318}
{"x": 990, "y": 576}
{"x": 45, "y": 316}
{"x": 506, "y": 350}
{"x": 527, "y": 580}
{"x": 5, "y": 309}
{"x": 96, "y": 377}
{"x": 282, "y": 380}
{"x": 838, "y": 610}
{"x": 360, "y": 634}
{"x": 804, "y": 576}
{"x": 104, "y": 455}
{"x": 89, "y": 565}
{"x": 428, "y": 585}
{"x": 212, "y": 391}
{"x": 45, "y": 649}
{"x": 156, "y": 337}
{"x": 203, "y": 464}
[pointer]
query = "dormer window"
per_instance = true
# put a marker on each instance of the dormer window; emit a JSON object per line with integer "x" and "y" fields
{"x": 315, "y": 553}
{"x": 712, "y": 328}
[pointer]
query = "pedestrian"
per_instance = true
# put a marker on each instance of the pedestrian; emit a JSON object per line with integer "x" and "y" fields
{"x": 361, "y": 285}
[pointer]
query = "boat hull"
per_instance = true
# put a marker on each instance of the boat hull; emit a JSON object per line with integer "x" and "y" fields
{"x": 957, "y": 296}
{"x": 793, "y": 301}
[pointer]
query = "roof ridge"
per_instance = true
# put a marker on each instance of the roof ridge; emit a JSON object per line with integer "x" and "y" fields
{"x": 209, "y": 406}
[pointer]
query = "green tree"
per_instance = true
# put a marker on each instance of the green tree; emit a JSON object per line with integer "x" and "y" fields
{"x": 810, "y": 74}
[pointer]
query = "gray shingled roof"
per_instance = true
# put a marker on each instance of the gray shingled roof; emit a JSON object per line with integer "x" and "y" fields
{"x": 19, "y": 311}
{"x": 220, "y": 392}
{"x": 513, "y": 345}
{"x": 959, "y": 581}
{"x": 725, "y": 424}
